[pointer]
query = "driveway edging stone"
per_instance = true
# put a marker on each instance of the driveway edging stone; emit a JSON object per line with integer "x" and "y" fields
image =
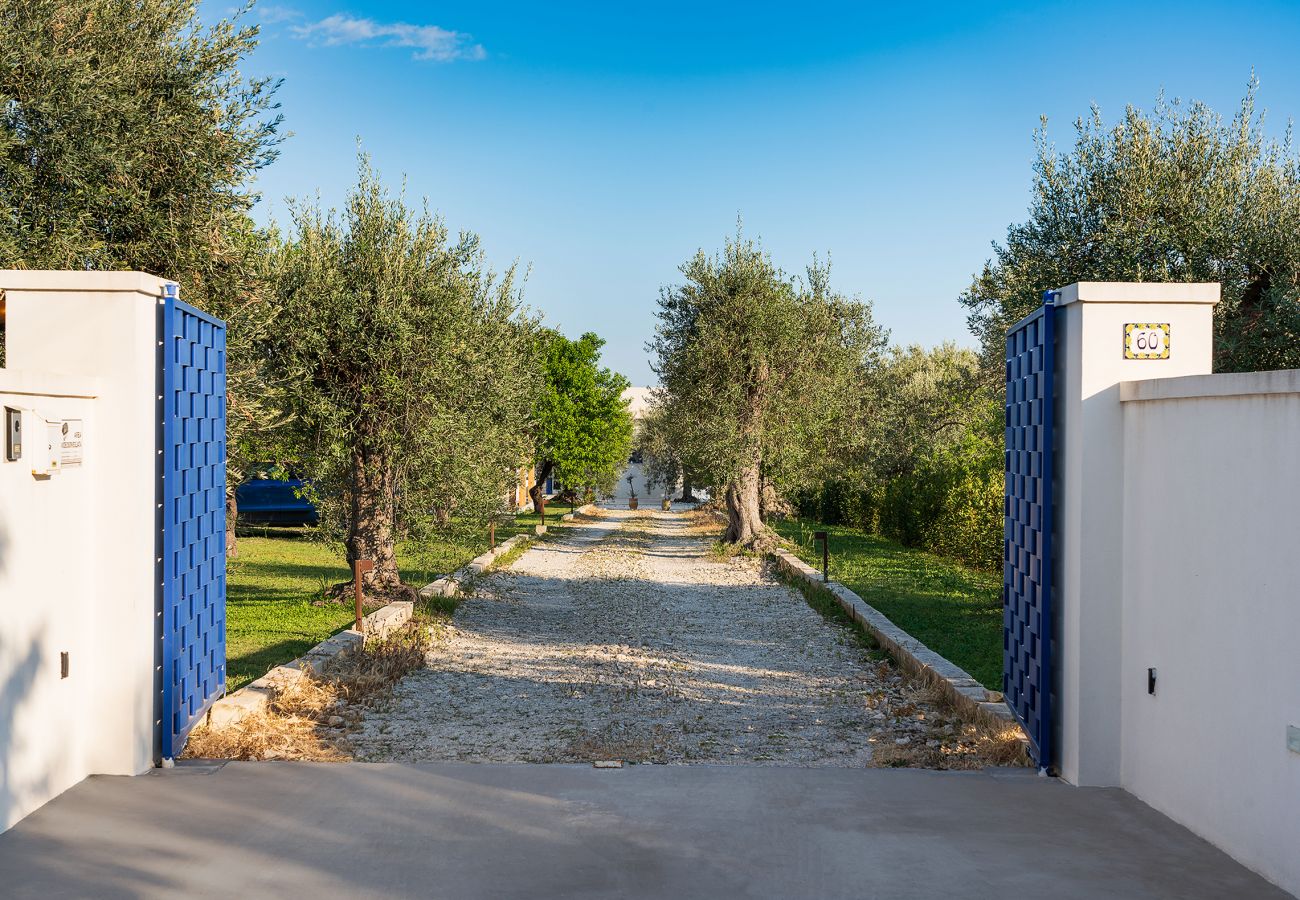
{"x": 255, "y": 696}
{"x": 967, "y": 695}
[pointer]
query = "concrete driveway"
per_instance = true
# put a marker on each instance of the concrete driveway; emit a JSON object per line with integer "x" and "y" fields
{"x": 539, "y": 831}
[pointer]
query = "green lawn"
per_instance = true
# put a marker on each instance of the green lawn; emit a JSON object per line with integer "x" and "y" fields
{"x": 956, "y": 611}
{"x": 271, "y": 584}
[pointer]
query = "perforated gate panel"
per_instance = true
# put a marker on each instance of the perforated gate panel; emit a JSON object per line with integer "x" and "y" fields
{"x": 1027, "y": 532}
{"x": 193, "y": 511}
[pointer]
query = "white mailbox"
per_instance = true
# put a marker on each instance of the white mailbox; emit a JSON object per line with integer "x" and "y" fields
{"x": 61, "y": 449}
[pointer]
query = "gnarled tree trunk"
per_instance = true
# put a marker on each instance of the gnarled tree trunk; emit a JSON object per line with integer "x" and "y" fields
{"x": 371, "y": 532}
{"x": 232, "y": 516}
{"x": 744, "y": 518}
{"x": 688, "y": 489}
{"x": 538, "y": 491}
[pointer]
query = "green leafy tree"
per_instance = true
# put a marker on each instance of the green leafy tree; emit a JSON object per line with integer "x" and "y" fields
{"x": 760, "y": 376}
{"x": 584, "y": 430}
{"x": 925, "y": 399}
{"x": 128, "y": 140}
{"x": 929, "y": 470}
{"x": 1175, "y": 195}
{"x": 411, "y": 372}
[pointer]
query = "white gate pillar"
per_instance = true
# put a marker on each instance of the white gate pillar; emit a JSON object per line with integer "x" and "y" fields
{"x": 105, "y": 325}
{"x": 1096, "y": 349}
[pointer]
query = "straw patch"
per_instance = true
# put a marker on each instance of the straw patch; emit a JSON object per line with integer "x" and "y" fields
{"x": 310, "y": 718}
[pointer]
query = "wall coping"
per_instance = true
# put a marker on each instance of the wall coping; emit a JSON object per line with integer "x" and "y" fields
{"x": 1203, "y": 292}
{"x": 81, "y": 280}
{"x": 1226, "y": 384}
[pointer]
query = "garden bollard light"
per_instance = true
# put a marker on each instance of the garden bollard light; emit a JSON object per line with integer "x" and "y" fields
{"x": 492, "y": 535}
{"x": 359, "y": 568}
{"x": 826, "y": 554}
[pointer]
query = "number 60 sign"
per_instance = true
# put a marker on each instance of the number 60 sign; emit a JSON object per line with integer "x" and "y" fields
{"x": 1146, "y": 340}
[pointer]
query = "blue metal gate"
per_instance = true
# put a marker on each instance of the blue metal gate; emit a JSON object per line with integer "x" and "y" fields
{"x": 1027, "y": 528}
{"x": 193, "y": 513}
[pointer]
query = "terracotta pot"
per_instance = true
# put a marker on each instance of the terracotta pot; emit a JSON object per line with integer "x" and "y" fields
{"x": 631, "y": 504}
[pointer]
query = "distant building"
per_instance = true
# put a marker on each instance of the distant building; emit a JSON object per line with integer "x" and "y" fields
{"x": 638, "y": 403}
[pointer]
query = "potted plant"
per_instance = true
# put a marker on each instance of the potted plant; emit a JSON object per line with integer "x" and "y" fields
{"x": 632, "y": 501}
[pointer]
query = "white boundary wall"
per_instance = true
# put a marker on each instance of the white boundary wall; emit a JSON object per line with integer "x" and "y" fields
{"x": 77, "y": 547}
{"x": 1178, "y": 549}
{"x": 1212, "y": 603}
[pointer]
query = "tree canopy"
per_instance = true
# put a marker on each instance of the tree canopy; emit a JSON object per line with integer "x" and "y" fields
{"x": 761, "y": 375}
{"x": 411, "y": 374}
{"x": 128, "y": 140}
{"x": 584, "y": 430}
{"x": 1179, "y": 194}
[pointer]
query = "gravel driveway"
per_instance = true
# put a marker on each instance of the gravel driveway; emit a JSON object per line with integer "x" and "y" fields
{"x": 628, "y": 639}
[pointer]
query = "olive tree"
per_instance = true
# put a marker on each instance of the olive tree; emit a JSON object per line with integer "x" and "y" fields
{"x": 411, "y": 372}
{"x": 661, "y": 454}
{"x": 1179, "y": 194}
{"x": 761, "y": 376}
{"x": 129, "y": 138}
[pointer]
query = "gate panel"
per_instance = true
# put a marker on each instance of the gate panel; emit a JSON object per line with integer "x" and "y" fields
{"x": 1027, "y": 527}
{"x": 193, "y": 510}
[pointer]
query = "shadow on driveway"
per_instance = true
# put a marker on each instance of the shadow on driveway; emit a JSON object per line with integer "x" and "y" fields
{"x": 461, "y": 830}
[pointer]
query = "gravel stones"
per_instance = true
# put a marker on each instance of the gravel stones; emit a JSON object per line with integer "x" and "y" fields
{"x": 627, "y": 639}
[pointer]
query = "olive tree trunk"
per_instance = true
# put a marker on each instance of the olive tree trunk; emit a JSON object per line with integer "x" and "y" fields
{"x": 688, "y": 489}
{"x": 232, "y": 515}
{"x": 370, "y": 529}
{"x": 744, "y": 517}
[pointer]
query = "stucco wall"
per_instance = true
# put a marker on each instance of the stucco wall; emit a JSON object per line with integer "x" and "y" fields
{"x": 1211, "y": 577}
{"x": 77, "y": 549}
{"x": 1090, "y": 322}
{"x": 47, "y": 559}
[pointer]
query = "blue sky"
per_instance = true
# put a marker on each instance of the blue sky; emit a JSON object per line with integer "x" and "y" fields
{"x": 603, "y": 144}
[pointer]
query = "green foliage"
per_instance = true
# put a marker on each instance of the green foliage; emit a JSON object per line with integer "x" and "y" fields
{"x": 661, "y": 462}
{"x": 761, "y": 374}
{"x": 128, "y": 140}
{"x": 931, "y": 473}
{"x": 128, "y": 134}
{"x": 1176, "y": 195}
{"x": 584, "y": 430}
{"x": 409, "y": 367}
{"x": 954, "y": 610}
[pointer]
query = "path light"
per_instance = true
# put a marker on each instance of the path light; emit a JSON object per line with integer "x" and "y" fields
{"x": 359, "y": 568}
{"x": 826, "y": 554}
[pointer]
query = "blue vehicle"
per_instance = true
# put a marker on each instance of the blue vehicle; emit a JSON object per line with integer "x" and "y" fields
{"x": 270, "y": 497}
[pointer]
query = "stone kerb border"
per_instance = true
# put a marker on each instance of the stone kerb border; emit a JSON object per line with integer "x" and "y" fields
{"x": 449, "y": 585}
{"x": 966, "y": 694}
{"x": 254, "y": 696}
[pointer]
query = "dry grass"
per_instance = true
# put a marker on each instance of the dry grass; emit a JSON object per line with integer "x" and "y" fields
{"x": 309, "y": 718}
{"x": 968, "y": 746}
